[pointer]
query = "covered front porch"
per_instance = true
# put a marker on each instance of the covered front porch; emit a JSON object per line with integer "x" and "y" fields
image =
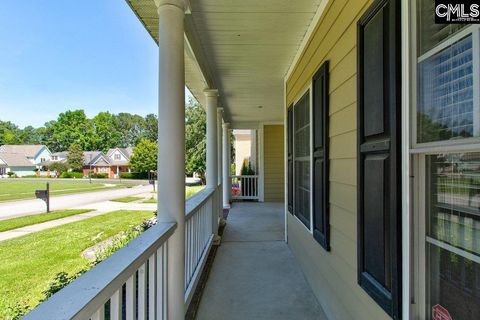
{"x": 255, "y": 275}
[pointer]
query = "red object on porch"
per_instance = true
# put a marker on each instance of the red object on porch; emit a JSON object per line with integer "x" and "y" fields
{"x": 440, "y": 313}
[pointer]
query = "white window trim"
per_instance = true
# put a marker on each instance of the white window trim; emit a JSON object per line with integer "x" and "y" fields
{"x": 436, "y": 146}
{"x": 295, "y": 101}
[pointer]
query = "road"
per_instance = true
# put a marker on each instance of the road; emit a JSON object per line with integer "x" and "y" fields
{"x": 11, "y": 209}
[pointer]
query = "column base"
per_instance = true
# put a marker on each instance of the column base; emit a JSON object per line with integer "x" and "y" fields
{"x": 217, "y": 240}
{"x": 222, "y": 222}
{"x": 227, "y": 206}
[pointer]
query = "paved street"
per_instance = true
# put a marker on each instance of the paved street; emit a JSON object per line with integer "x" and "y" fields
{"x": 11, "y": 209}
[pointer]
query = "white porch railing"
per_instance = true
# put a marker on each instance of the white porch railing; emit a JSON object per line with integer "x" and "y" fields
{"x": 132, "y": 282}
{"x": 245, "y": 187}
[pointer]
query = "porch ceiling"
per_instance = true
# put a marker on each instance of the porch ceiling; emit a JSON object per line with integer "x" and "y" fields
{"x": 241, "y": 47}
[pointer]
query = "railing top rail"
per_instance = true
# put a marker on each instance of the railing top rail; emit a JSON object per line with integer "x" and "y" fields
{"x": 245, "y": 176}
{"x": 196, "y": 201}
{"x": 84, "y": 296}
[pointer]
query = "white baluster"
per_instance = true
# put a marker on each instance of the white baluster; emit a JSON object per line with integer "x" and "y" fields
{"x": 152, "y": 286}
{"x": 130, "y": 302}
{"x": 100, "y": 314}
{"x": 116, "y": 305}
{"x": 142, "y": 293}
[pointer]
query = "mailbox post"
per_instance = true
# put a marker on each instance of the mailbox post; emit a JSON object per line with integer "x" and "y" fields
{"x": 44, "y": 195}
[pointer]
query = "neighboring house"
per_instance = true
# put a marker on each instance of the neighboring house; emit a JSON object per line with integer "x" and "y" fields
{"x": 16, "y": 163}
{"x": 113, "y": 163}
{"x": 96, "y": 162}
{"x": 119, "y": 158}
{"x": 36, "y": 153}
{"x": 245, "y": 146}
{"x": 59, "y": 156}
{"x": 23, "y": 159}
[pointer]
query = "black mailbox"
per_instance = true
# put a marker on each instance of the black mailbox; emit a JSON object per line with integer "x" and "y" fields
{"x": 41, "y": 194}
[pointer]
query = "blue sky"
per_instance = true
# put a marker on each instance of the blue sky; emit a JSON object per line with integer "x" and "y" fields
{"x": 57, "y": 55}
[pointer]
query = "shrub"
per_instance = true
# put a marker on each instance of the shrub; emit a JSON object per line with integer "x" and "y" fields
{"x": 134, "y": 175}
{"x": 69, "y": 175}
{"x": 100, "y": 175}
{"x": 12, "y": 174}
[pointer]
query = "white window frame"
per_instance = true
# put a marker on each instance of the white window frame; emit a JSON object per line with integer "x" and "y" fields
{"x": 439, "y": 146}
{"x": 295, "y": 102}
{"x": 415, "y": 239}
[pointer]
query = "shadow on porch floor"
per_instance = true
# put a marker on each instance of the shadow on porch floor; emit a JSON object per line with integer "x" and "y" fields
{"x": 254, "y": 275}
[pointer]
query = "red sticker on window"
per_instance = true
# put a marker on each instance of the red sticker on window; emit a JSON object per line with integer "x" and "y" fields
{"x": 440, "y": 313}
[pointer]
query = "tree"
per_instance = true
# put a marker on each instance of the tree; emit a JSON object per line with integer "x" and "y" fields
{"x": 8, "y": 133}
{"x": 131, "y": 128}
{"x": 144, "y": 156}
{"x": 151, "y": 127}
{"x": 58, "y": 167}
{"x": 106, "y": 134}
{"x": 71, "y": 127}
{"x": 75, "y": 157}
{"x": 195, "y": 138}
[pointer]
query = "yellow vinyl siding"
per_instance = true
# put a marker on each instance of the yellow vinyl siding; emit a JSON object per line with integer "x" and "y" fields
{"x": 333, "y": 275}
{"x": 273, "y": 163}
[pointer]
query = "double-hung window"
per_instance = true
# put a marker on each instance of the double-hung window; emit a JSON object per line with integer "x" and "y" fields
{"x": 446, "y": 154}
{"x": 301, "y": 159}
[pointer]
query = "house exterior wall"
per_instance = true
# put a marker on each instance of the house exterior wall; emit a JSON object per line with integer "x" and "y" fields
{"x": 44, "y": 154}
{"x": 333, "y": 275}
{"x": 274, "y": 168}
{"x": 22, "y": 171}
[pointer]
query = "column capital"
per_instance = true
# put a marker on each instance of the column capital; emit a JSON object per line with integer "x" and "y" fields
{"x": 226, "y": 125}
{"x": 210, "y": 93}
{"x": 182, "y": 4}
{"x": 219, "y": 109}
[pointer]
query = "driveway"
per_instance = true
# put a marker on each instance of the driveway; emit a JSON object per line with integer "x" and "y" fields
{"x": 19, "y": 208}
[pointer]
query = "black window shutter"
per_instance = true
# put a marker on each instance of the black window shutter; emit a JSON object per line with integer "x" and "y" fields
{"x": 379, "y": 180}
{"x": 321, "y": 227}
{"x": 290, "y": 158}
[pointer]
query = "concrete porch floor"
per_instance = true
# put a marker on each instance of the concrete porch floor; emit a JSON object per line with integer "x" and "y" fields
{"x": 254, "y": 274}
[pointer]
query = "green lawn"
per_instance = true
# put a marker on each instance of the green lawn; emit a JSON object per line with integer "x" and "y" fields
{"x": 14, "y": 189}
{"x": 29, "y": 263}
{"x": 127, "y": 199}
{"x": 15, "y": 223}
{"x": 189, "y": 192}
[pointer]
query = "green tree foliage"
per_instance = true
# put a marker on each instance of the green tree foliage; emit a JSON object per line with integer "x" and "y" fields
{"x": 69, "y": 128}
{"x": 8, "y": 133}
{"x": 75, "y": 157}
{"x": 58, "y": 167}
{"x": 151, "y": 127}
{"x": 131, "y": 128}
{"x": 106, "y": 134}
{"x": 195, "y": 139}
{"x": 144, "y": 156}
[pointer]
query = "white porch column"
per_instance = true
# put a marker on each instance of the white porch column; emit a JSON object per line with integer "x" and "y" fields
{"x": 220, "y": 165}
{"x": 219, "y": 146}
{"x": 227, "y": 181}
{"x": 211, "y": 96}
{"x": 171, "y": 142}
{"x": 212, "y": 143}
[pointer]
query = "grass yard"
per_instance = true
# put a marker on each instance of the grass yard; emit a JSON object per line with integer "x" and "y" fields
{"x": 127, "y": 199}
{"x": 14, "y": 189}
{"x": 10, "y": 224}
{"x": 189, "y": 192}
{"x": 29, "y": 263}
